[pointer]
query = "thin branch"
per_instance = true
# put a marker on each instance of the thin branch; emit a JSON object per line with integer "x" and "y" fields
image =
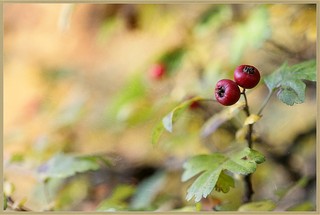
{"x": 247, "y": 180}
{"x": 246, "y": 108}
{"x": 207, "y": 100}
{"x": 247, "y": 197}
{"x": 14, "y": 206}
{"x": 266, "y": 101}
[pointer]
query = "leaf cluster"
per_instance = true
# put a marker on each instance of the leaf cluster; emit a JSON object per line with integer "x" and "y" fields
{"x": 213, "y": 170}
{"x": 287, "y": 81}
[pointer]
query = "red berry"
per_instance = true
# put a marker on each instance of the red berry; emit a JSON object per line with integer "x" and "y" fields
{"x": 227, "y": 92}
{"x": 194, "y": 105}
{"x": 157, "y": 71}
{"x": 246, "y": 76}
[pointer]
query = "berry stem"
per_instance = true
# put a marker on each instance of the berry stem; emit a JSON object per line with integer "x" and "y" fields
{"x": 247, "y": 179}
{"x": 246, "y": 108}
{"x": 266, "y": 101}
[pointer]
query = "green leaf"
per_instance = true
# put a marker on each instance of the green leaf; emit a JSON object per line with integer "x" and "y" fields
{"x": 212, "y": 18}
{"x": 274, "y": 79}
{"x": 267, "y": 205}
{"x": 305, "y": 206}
{"x": 147, "y": 190}
{"x": 63, "y": 166}
{"x": 289, "y": 97}
{"x": 133, "y": 90}
{"x": 256, "y": 156}
{"x": 156, "y": 133}
{"x": 5, "y": 203}
{"x": 209, "y": 14}
{"x": 244, "y": 162}
{"x": 288, "y": 81}
{"x": 305, "y": 70}
{"x": 174, "y": 115}
{"x": 251, "y": 33}
{"x": 71, "y": 194}
{"x": 117, "y": 199}
{"x": 17, "y": 158}
{"x": 168, "y": 121}
{"x": 172, "y": 59}
{"x": 98, "y": 159}
{"x": 203, "y": 185}
{"x": 224, "y": 183}
{"x": 211, "y": 167}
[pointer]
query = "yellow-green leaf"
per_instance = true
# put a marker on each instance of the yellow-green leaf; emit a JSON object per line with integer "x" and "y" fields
{"x": 168, "y": 121}
{"x": 65, "y": 165}
{"x": 173, "y": 116}
{"x": 267, "y": 205}
{"x": 253, "y": 118}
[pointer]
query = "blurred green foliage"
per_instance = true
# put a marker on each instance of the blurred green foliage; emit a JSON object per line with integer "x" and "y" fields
{"x": 79, "y": 104}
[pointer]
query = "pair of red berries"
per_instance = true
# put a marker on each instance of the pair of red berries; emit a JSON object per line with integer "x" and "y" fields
{"x": 227, "y": 92}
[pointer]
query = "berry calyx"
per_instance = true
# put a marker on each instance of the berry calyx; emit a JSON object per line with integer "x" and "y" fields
{"x": 157, "y": 71}
{"x": 246, "y": 76}
{"x": 227, "y": 92}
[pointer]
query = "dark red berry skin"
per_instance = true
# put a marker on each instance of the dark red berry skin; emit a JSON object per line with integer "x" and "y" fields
{"x": 227, "y": 92}
{"x": 246, "y": 76}
{"x": 157, "y": 71}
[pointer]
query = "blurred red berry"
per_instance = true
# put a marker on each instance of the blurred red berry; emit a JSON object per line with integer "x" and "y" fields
{"x": 194, "y": 105}
{"x": 157, "y": 71}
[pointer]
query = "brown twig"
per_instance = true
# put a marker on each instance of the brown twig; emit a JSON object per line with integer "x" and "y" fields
{"x": 16, "y": 207}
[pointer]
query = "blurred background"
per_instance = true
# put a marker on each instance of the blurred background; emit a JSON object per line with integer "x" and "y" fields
{"x": 85, "y": 84}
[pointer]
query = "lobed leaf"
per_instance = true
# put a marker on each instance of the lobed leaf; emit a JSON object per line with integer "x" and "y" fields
{"x": 224, "y": 183}
{"x": 244, "y": 162}
{"x": 210, "y": 169}
{"x": 256, "y": 156}
{"x": 200, "y": 163}
{"x": 305, "y": 70}
{"x": 203, "y": 185}
{"x": 288, "y": 81}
